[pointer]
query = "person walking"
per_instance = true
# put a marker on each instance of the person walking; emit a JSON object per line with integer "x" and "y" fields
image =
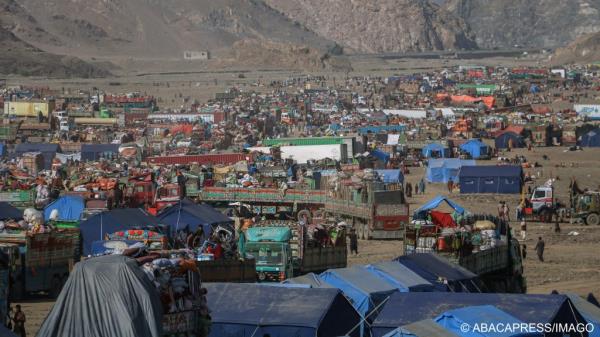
{"x": 19, "y": 322}
{"x": 353, "y": 242}
{"x": 539, "y": 249}
{"x": 523, "y": 230}
{"x": 524, "y": 252}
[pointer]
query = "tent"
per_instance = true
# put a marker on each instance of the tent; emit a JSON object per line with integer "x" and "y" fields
{"x": 92, "y": 152}
{"x": 391, "y": 176}
{"x": 591, "y": 139}
{"x": 255, "y": 310}
{"x": 69, "y": 208}
{"x": 188, "y": 214}
{"x": 108, "y": 222}
{"x": 589, "y": 311}
{"x": 4, "y": 332}
{"x": 434, "y": 150}
{"x": 475, "y": 148}
{"x": 503, "y": 140}
{"x": 491, "y": 179}
{"x": 441, "y": 273}
{"x": 2, "y": 150}
{"x": 443, "y": 170}
{"x": 48, "y": 151}
{"x": 406, "y": 308}
{"x": 380, "y": 155}
{"x": 434, "y": 203}
{"x": 311, "y": 279}
{"x": 8, "y": 211}
{"x": 400, "y": 276}
{"x": 456, "y": 320}
{"x": 424, "y": 328}
{"x": 106, "y": 296}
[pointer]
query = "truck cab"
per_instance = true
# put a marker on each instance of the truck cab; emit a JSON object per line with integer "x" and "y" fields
{"x": 270, "y": 247}
{"x": 541, "y": 197}
{"x": 587, "y": 207}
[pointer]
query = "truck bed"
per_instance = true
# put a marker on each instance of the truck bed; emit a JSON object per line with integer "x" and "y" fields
{"x": 228, "y": 270}
{"x": 263, "y": 195}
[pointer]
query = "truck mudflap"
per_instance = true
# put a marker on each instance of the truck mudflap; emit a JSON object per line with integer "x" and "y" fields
{"x": 387, "y": 235}
{"x": 185, "y": 323}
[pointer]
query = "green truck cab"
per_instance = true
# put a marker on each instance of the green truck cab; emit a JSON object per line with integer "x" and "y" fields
{"x": 272, "y": 252}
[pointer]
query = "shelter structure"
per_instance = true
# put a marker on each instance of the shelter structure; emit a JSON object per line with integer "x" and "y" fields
{"x": 188, "y": 215}
{"x": 69, "y": 208}
{"x": 476, "y": 149}
{"x": 491, "y": 179}
{"x": 444, "y": 170}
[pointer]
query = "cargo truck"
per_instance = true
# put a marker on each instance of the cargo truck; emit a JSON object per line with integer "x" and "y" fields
{"x": 282, "y": 250}
{"x": 19, "y": 198}
{"x": 40, "y": 262}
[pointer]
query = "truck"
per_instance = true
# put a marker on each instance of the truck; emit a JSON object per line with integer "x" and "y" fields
{"x": 499, "y": 265}
{"x": 587, "y": 207}
{"x": 543, "y": 204}
{"x": 39, "y": 262}
{"x": 283, "y": 250}
{"x": 19, "y": 198}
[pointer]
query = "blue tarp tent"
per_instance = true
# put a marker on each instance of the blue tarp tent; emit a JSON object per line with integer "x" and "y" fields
{"x": 380, "y": 155}
{"x": 255, "y": 310}
{"x": 589, "y": 311}
{"x": 434, "y": 203}
{"x": 108, "y": 222}
{"x": 92, "y": 152}
{"x": 475, "y": 148}
{"x": 400, "y": 276}
{"x": 8, "y": 211}
{"x": 391, "y": 176}
{"x": 48, "y": 151}
{"x": 424, "y": 328}
{"x": 591, "y": 139}
{"x": 188, "y": 214}
{"x": 491, "y": 179}
{"x": 2, "y": 150}
{"x": 311, "y": 279}
{"x": 406, "y": 308}
{"x": 455, "y": 321}
{"x": 69, "y": 208}
{"x": 434, "y": 269}
{"x": 434, "y": 150}
{"x": 443, "y": 170}
{"x": 503, "y": 140}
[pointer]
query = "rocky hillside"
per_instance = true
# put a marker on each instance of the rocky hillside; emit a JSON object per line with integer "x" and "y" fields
{"x": 527, "y": 23}
{"x": 585, "y": 49}
{"x": 376, "y": 26}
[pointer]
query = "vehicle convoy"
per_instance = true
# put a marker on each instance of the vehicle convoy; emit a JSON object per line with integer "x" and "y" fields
{"x": 40, "y": 261}
{"x": 283, "y": 250}
{"x": 488, "y": 251}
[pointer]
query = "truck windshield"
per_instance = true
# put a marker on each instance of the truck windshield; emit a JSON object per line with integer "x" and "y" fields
{"x": 266, "y": 253}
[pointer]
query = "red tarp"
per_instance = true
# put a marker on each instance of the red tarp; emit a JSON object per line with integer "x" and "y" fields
{"x": 489, "y": 101}
{"x": 441, "y": 219}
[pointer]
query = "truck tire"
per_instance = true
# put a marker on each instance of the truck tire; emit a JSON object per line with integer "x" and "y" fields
{"x": 55, "y": 287}
{"x": 304, "y": 213}
{"x": 593, "y": 219}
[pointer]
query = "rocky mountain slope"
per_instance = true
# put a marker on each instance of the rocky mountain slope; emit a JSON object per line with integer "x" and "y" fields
{"x": 376, "y": 26}
{"x": 527, "y": 23}
{"x": 585, "y": 49}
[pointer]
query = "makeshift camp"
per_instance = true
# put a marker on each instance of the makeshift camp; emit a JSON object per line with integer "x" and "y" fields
{"x": 509, "y": 140}
{"x": 255, "y": 310}
{"x": 591, "y": 139}
{"x": 405, "y": 308}
{"x": 476, "y": 149}
{"x": 105, "y": 296}
{"x": 7, "y": 211}
{"x": 444, "y": 170}
{"x": 400, "y": 276}
{"x": 435, "y": 150}
{"x": 47, "y": 150}
{"x": 188, "y": 214}
{"x": 93, "y": 152}
{"x": 98, "y": 226}
{"x": 69, "y": 208}
{"x": 441, "y": 273}
{"x": 491, "y": 179}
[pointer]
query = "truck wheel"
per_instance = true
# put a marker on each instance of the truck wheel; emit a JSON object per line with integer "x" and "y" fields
{"x": 304, "y": 213}
{"x": 55, "y": 287}
{"x": 592, "y": 219}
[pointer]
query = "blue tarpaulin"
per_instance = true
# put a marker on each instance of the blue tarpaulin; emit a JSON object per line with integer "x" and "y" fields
{"x": 8, "y": 211}
{"x": 476, "y": 148}
{"x": 405, "y": 308}
{"x": 434, "y": 269}
{"x": 48, "y": 151}
{"x": 400, "y": 276}
{"x": 188, "y": 214}
{"x": 434, "y": 150}
{"x": 503, "y": 140}
{"x": 491, "y": 179}
{"x": 310, "y": 279}
{"x": 391, "y": 176}
{"x": 591, "y": 139}
{"x": 96, "y": 227}
{"x": 434, "y": 203}
{"x": 589, "y": 311}
{"x": 92, "y": 152}
{"x": 444, "y": 170}
{"x": 384, "y": 157}
{"x": 255, "y": 310}
{"x": 2, "y": 150}
{"x": 424, "y": 328}
{"x": 69, "y": 208}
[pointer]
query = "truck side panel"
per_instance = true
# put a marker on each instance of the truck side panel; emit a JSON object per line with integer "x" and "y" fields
{"x": 322, "y": 258}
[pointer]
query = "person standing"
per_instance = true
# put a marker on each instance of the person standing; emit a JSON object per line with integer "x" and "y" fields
{"x": 539, "y": 249}
{"x": 19, "y": 320}
{"x": 506, "y": 212}
{"x": 524, "y": 252}
{"x": 181, "y": 180}
{"x": 353, "y": 242}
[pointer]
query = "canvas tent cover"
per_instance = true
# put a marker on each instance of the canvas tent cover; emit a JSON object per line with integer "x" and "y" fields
{"x": 69, "y": 208}
{"x": 435, "y": 202}
{"x": 475, "y": 148}
{"x": 105, "y": 296}
{"x": 188, "y": 214}
{"x": 95, "y": 151}
{"x": 591, "y": 139}
{"x": 8, "y": 211}
{"x": 400, "y": 276}
{"x": 444, "y": 170}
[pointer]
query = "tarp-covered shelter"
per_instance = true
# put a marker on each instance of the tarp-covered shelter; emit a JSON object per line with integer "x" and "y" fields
{"x": 93, "y": 152}
{"x": 435, "y": 203}
{"x": 190, "y": 215}
{"x": 311, "y": 279}
{"x": 400, "y": 276}
{"x": 69, "y": 208}
{"x": 2, "y": 150}
{"x": 106, "y": 296}
{"x": 8, "y": 211}
{"x": 47, "y": 150}
{"x": 391, "y": 176}
{"x": 589, "y": 311}
{"x": 491, "y": 179}
{"x": 591, "y": 139}
{"x": 441, "y": 273}
{"x": 255, "y": 310}
{"x": 405, "y": 308}
{"x": 108, "y": 222}
{"x": 435, "y": 150}
{"x": 509, "y": 139}
{"x": 444, "y": 170}
{"x": 475, "y": 148}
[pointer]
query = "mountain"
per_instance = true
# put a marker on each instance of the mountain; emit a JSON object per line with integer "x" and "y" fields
{"x": 376, "y": 26}
{"x": 527, "y": 23}
{"x": 586, "y": 49}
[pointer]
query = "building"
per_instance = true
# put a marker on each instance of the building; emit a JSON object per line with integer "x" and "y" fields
{"x": 28, "y": 109}
{"x": 196, "y": 55}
